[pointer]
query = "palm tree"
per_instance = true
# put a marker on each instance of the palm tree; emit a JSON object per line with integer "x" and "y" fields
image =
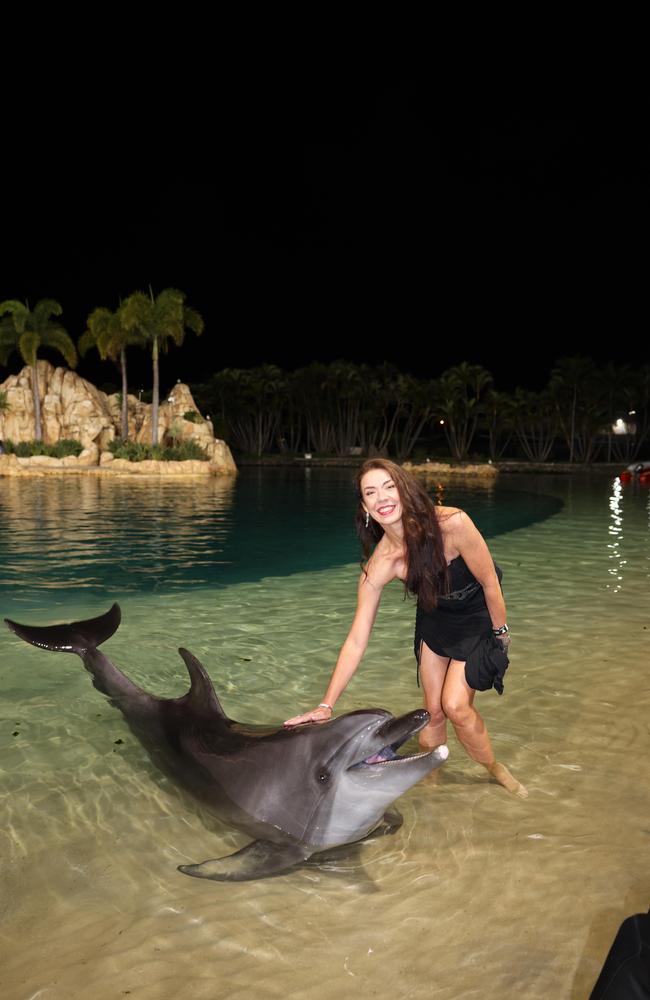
{"x": 417, "y": 398}
{"x": 25, "y": 331}
{"x": 107, "y": 333}
{"x": 571, "y": 385}
{"x": 535, "y": 422}
{"x": 499, "y": 420}
{"x": 347, "y": 389}
{"x": 157, "y": 321}
{"x": 252, "y": 402}
{"x": 458, "y": 398}
{"x": 636, "y": 393}
{"x": 308, "y": 393}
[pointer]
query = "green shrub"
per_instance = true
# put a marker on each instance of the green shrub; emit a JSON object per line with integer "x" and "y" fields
{"x": 193, "y": 416}
{"x": 134, "y": 452}
{"x": 130, "y": 450}
{"x": 63, "y": 448}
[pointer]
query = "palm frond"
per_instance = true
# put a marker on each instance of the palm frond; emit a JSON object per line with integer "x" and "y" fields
{"x": 61, "y": 341}
{"x": 45, "y": 308}
{"x": 194, "y": 321}
{"x": 18, "y": 313}
{"x": 28, "y": 345}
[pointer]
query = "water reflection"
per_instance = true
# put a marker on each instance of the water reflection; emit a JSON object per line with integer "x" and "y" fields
{"x": 629, "y": 517}
{"x": 82, "y": 532}
{"x": 616, "y": 533}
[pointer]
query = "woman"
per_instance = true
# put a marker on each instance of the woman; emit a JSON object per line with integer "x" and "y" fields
{"x": 461, "y": 635}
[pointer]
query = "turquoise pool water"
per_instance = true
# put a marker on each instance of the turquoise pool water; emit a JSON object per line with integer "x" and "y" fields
{"x": 105, "y": 537}
{"x": 479, "y": 894}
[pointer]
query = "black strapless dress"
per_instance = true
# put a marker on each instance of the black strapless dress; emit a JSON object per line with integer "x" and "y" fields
{"x": 460, "y": 627}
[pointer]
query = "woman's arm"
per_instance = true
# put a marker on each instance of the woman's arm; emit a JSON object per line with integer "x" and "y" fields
{"x": 368, "y": 597}
{"x": 473, "y": 548}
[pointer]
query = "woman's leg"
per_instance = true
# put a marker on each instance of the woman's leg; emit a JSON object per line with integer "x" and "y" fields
{"x": 433, "y": 669}
{"x": 458, "y": 705}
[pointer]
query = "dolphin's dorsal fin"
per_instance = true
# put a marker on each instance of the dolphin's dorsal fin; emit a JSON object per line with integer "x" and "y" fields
{"x": 201, "y": 692}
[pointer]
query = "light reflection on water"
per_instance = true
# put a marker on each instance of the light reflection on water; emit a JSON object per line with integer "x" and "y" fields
{"x": 478, "y": 894}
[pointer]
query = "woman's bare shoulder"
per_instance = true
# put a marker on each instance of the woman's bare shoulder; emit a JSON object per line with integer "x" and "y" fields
{"x": 445, "y": 513}
{"x": 452, "y": 522}
{"x": 382, "y": 564}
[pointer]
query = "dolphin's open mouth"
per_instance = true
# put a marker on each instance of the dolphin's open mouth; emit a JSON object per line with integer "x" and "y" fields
{"x": 390, "y": 736}
{"x": 388, "y": 755}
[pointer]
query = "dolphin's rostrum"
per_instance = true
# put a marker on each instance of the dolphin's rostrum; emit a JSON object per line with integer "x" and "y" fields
{"x": 296, "y": 791}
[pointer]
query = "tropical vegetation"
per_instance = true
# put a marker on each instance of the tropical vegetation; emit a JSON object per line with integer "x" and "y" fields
{"x": 154, "y": 322}
{"x": 27, "y": 331}
{"x": 586, "y": 412}
{"x": 107, "y": 333}
{"x": 25, "y": 449}
{"x": 343, "y": 409}
{"x": 133, "y": 451}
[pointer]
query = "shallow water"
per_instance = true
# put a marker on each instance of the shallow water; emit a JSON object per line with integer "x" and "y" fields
{"x": 478, "y": 894}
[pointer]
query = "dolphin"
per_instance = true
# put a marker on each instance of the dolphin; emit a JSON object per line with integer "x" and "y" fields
{"x": 297, "y": 791}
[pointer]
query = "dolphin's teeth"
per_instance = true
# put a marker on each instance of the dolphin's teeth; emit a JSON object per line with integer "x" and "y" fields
{"x": 381, "y": 757}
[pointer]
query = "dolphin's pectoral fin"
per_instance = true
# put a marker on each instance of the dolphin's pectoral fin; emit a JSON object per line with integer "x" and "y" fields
{"x": 256, "y": 860}
{"x": 390, "y": 824}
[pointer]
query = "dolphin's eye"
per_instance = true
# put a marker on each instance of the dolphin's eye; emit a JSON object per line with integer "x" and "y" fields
{"x": 323, "y": 777}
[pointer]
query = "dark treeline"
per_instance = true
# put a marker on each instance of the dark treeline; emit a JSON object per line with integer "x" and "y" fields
{"x": 585, "y": 413}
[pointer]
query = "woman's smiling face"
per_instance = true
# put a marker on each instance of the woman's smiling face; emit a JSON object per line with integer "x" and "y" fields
{"x": 380, "y": 497}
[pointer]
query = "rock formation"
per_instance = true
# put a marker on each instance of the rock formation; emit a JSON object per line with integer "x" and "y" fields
{"x": 74, "y": 408}
{"x": 444, "y": 471}
{"x": 70, "y": 408}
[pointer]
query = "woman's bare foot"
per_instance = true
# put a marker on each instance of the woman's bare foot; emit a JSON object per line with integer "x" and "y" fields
{"x": 501, "y": 774}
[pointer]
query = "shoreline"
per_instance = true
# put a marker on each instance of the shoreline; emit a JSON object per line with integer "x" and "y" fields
{"x": 192, "y": 469}
{"x": 473, "y": 469}
{"x": 37, "y": 466}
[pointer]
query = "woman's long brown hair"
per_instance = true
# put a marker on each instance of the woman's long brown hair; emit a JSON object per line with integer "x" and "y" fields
{"x": 427, "y": 575}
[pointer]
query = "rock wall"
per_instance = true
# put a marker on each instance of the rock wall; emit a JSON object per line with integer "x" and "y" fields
{"x": 442, "y": 470}
{"x": 70, "y": 408}
{"x": 73, "y": 408}
{"x": 171, "y": 422}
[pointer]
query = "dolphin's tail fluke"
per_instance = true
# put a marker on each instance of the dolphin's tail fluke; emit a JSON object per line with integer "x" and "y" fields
{"x": 83, "y": 638}
{"x": 76, "y": 637}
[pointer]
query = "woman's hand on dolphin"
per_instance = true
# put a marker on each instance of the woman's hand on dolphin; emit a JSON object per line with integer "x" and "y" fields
{"x": 319, "y": 714}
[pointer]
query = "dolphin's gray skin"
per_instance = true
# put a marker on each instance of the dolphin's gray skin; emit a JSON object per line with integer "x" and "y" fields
{"x": 296, "y": 791}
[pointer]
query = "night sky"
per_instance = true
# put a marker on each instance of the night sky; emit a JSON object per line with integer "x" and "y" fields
{"x": 372, "y": 223}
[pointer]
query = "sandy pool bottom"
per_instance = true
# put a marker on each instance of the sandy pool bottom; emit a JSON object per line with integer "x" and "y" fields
{"x": 478, "y": 895}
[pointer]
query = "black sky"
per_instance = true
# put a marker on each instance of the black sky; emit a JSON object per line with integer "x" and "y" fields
{"x": 373, "y": 223}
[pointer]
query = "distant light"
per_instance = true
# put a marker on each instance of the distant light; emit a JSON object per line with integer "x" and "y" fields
{"x": 631, "y": 413}
{"x": 442, "y": 421}
{"x": 620, "y": 427}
